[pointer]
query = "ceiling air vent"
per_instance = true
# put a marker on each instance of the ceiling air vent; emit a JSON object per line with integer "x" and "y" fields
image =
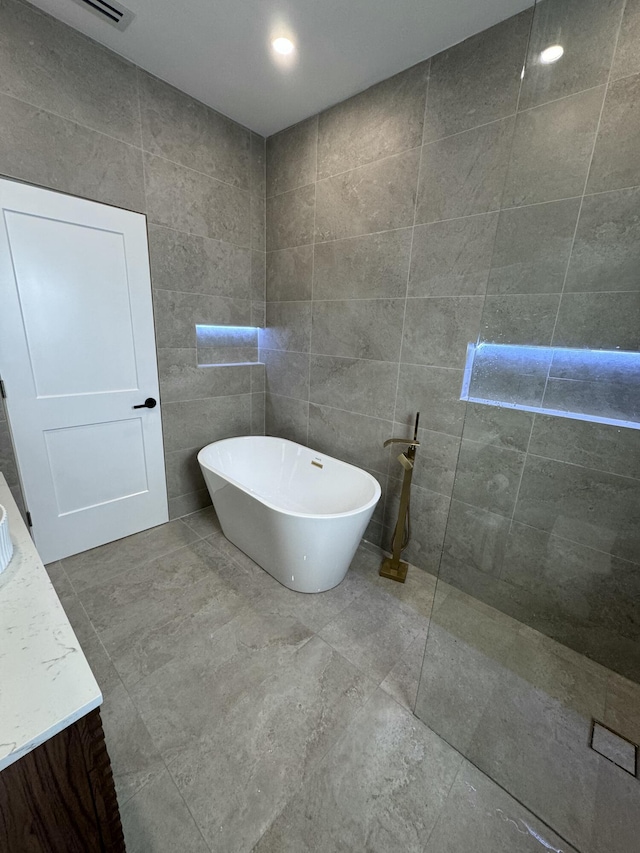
{"x": 111, "y": 12}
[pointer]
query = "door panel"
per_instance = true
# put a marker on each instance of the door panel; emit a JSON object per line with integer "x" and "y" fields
{"x": 84, "y": 478}
{"x": 77, "y": 352}
{"x": 78, "y": 276}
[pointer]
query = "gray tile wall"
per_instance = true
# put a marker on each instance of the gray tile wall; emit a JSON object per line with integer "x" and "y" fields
{"x": 77, "y": 118}
{"x": 381, "y": 218}
{"x": 457, "y": 201}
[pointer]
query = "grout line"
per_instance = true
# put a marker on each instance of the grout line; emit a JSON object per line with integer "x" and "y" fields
{"x": 438, "y": 221}
{"x": 521, "y": 478}
{"x": 375, "y": 162}
{"x": 546, "y": 533}
{"x": 584, "y": 467}
{"x": 587, "y": 176}
{"x": 406, "y": 292}
{"x": 216, "y": 397}
{"x": 313, "y": 269}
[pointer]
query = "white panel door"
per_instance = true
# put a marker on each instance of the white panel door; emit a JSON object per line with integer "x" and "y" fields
{"x": 77, "y": 354}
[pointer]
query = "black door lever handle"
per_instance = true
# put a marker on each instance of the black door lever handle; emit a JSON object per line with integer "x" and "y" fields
{"x": 149, "y": 403}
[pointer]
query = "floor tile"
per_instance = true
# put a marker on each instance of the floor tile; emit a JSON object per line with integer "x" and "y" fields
{"x": 178, "y": 584}
{"x": 373, "y": 632}
{"x": 259, "y": 747}
{"x": 466, "y": 656}
{"x": 209, "y": 680}
{"x": 381, "y": 788}
{"x": 479, "y": 816}
{"x": 204, "y": 522}
{"x": 176, "y": 621}
{"x": 134, "y": 759}
{"x": 416, "y": 592}
{"x": 98, "y": 565}
{"x": 157, "y": 820}
{"x": 403, "y": 680}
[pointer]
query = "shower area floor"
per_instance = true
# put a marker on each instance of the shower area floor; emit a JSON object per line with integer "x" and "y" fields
{"x": 243, "y": 716}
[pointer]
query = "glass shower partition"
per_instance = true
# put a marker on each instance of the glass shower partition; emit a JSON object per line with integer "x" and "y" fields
{"x": 532, "y": 661}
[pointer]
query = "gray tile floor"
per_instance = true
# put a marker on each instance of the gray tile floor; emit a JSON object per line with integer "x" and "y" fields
{"x": 242, "y": 716}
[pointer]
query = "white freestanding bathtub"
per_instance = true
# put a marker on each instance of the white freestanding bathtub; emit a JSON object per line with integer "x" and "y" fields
{"x": 297, "y": 513}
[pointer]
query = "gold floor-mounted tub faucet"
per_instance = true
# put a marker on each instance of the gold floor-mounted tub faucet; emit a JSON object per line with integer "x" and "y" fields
{"x": 393, "y": 567}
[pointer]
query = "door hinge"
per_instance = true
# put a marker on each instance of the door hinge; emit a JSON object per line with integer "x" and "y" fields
{"x": 3, "y": 390}
{"x": 29, "y": 521}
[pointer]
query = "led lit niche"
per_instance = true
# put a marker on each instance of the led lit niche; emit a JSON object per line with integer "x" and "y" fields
{"x": 602, "y": 386}
{"x": 222, "y": 346}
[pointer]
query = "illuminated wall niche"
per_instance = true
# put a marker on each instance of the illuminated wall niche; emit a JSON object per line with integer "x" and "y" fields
{"x": 588, "y": 385}
{"x": 217, "y": 346}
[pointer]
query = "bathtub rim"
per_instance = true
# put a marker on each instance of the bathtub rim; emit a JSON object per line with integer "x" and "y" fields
{"x": 311, "y": 515}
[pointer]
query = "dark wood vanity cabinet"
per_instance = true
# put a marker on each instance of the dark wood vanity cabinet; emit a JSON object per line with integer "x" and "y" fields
{"x": 60, "y": 798}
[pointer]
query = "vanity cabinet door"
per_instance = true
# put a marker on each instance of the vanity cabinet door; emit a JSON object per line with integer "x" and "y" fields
{"x": 60, "y": 798}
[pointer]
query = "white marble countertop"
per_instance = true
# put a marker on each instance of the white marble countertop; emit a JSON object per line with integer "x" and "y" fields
{"x": 45, "y": 681}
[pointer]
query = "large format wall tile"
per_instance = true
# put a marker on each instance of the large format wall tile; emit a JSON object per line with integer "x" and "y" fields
{"x": 452, "y": 258}
{"x": 551, "y": 149}
{"x": 627, "y": 58}
{"x": 606, "y": 251}
{"x": 477, "y": 81}
{"x": 435, "y": 393}
{"x": 520, "y": 318}
{"x": 437, "y": 330}
{"x": 464, "y": 174}
{"x": 184, "y": 475}
{"x": 290, "y": 218}
{"x": 357, "y": 385}
{"x": 41, "y": 148}
{"x": 287, "y": 373}
{"x": 291, "y": 157}
{"x": 290, "y": 274}
{"x": 198, "y": 264}
{"x": 51, "y": 66}
{"x": 476, "y": 539}
{"x": 598, "y": 321}
{"x": 186, "y": 131}
{"x": 488, "y": 477}
{"x": 176, "y": 315}
{"x": 429, "y": 512}
{"x": 586, "y": 592}
{"x": 286, "y": 418}
{"x": 532, "y": 248}
{"x": 195, "y": 423}
{"x": 601, "y": 446}
{"x": 257, "y": 165}
{"x": 587, "y": 30}
{"x": 383, "y": 120}
{"x": 376, "y": 197}
{"x": 288, "y": 326}
{"x": 355, "y": 438}
{"x": 188, "y": 201}
{"x": 616, "y": 159}
{"x": 258, "y": 220}
{"x": 501, "y": 427}
{"x": 368, "y": 267}
{"x": 358, "y": 328}
{"x": 435, "y": 464}
{"x": 182, "y": 379}
{"x": 591, "y": 507}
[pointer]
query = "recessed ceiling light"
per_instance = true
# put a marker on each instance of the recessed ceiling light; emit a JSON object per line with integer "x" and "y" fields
{"x": 283, "y": 46}
{"x": 551, "y": 54}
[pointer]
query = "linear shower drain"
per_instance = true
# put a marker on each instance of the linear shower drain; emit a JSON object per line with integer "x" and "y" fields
{"x": 615, "y": 747}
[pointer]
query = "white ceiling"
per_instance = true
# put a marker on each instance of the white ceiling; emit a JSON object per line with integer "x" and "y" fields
{"x": 219, "y": 50}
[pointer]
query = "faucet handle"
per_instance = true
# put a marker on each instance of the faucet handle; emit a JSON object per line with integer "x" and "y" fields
{"x": 409, "y": 442}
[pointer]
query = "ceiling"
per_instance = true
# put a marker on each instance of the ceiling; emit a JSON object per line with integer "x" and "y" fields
{"x": 219, "y": 51}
